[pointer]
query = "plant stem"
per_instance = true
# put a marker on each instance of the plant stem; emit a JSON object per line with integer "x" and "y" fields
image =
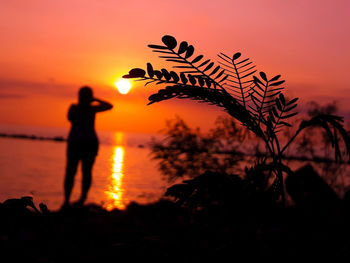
{"x": 239, "y": 82}
{"x": 279, "y": 167}
{"x": 291, "y": 140}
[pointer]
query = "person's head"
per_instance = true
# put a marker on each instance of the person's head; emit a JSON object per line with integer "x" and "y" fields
{"x": 85, "y": 95}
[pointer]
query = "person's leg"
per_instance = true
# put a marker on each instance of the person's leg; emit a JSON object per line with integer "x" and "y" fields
{"x": 71, "y": 169}
{"x": 87, "y": 163}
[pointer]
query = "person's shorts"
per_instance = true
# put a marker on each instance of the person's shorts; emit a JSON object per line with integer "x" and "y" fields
{"x": 82, "y": 149}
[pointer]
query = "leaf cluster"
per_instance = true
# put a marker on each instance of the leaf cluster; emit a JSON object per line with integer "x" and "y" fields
{"x": 230, "y": 85}
{"x": 194, "y": 70}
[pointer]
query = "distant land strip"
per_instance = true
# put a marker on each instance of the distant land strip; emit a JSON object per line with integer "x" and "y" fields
{"x": 33, "y": 137}
{"x": 315, "y": 159}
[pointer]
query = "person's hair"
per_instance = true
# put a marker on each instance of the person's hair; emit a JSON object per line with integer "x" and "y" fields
{"x": 85, "y": 95}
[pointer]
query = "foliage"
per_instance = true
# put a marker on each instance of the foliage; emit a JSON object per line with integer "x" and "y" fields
{"x": 187, "y": 152}
{"x": 209, "y": 190}
{"x": 219, "y": 192}
{"x": 256, "y": 101}
{"x": 310, "y": 145}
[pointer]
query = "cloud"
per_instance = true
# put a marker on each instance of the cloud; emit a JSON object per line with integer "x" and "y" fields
{"x": 22, "y": 89}
{"x": 11, "y": 96}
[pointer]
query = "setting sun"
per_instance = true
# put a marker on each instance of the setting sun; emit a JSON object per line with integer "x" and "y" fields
{"x": 123, "y": 86}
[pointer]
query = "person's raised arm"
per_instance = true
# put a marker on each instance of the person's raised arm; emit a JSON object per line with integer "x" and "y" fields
{"x": 102, "y": 105}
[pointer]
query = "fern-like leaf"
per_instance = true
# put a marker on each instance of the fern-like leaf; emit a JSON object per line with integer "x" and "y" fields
{"x": 326, "y": 122}
{"x": 210, "y": 73}
{"x": 239, "y": 75}
{"x": 279, "y": 113}
{"x": 263, "y": 94}
{"x": 216, "y": 97}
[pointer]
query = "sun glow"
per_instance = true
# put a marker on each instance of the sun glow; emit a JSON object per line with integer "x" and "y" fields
{"x": 123, "y": 86}
{"x": 115, "y": 189}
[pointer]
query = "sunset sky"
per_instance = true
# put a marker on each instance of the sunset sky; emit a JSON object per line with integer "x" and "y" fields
{"x": 51, "y": 48}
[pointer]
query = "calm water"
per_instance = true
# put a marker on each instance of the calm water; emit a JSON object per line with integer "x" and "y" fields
{"x": 123, "y": 171}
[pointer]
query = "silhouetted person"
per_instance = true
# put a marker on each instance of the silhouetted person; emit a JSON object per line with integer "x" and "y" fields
{"x": 82, "y": 141}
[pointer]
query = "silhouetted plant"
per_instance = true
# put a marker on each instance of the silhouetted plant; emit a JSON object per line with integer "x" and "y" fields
{"x": 187, "y": 152}
{"x": 257, "y": 102}
{"x": 211, "y": 190}
{"x": 309, "y": 144}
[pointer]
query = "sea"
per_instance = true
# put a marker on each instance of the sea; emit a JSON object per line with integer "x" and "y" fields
{"x": 123, "y": 172}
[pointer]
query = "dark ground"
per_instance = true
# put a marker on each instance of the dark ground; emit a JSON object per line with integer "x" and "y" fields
{"x": 167, "y": 232}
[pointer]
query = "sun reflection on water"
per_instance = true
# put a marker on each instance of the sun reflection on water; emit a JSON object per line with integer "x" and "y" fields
{"x": 115, "y": 189}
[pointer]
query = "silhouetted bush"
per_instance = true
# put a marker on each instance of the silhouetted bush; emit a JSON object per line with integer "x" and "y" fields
{"x": 187, "y": 152}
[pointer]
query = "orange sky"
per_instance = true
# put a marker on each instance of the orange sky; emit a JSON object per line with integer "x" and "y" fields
{"x": 51, "y": 48}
